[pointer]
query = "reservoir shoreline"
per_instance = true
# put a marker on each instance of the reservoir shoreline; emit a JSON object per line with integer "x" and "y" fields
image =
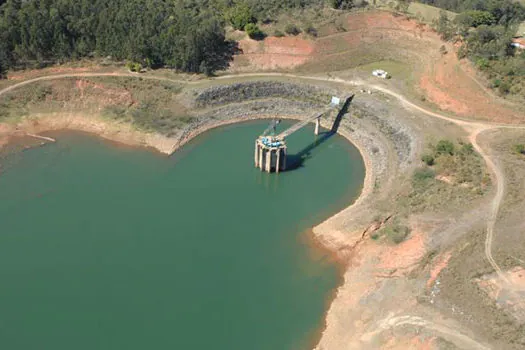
{"x": 127, "y": 135}
{"x": 324, "y": 235}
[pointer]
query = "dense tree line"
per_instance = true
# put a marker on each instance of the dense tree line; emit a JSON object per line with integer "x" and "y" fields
{"x": 504, "y": 11}
{"x": 187, "y": 35}
{"x": 486, "y": 29}
{"x": 152, "y": 32}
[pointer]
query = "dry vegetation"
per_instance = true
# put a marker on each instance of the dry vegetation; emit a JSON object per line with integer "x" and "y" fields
{"x": 453, "y": 176}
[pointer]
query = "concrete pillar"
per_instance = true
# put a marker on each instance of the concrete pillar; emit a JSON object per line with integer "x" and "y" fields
{"x": 317, "y": 125}
{"x": 284, "y": 159}
{"x": 261, "y": 153}
{"x": 256, "y": 156}
{"x": 268, "y": 160}
{"x": 277, "y": 163}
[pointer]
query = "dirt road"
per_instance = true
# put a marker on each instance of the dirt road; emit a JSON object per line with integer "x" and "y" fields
{"x": 392, "y": 321}
{"x": 474, "y": 129}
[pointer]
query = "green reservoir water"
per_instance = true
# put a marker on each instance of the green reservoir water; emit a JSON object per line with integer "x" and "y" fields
{"x": 105, "y": 247}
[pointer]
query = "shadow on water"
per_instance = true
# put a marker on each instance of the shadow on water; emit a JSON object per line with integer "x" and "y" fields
{"x": 295, "y": 161}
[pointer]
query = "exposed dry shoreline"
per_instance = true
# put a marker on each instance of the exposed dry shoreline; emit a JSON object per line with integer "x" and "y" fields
{"x": 128, "y": 135}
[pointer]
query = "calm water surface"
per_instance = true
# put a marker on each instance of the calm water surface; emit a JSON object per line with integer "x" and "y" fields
{"x": 103, "y": 247}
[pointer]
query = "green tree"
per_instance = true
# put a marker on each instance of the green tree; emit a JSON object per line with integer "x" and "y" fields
{"x": 292, "y": 29}
{"x": 444, "y": 147}
{"x": 253, "y": 31}
{"x": 240, "y": 15}
{"x": 428, "y": 159}
{"x": 311, "y": 30}
{"x": 342, "y": 4}
{"x": 445, "y": 26}
{"x": 519, "y": 148}
{"x": 475, "y": 18}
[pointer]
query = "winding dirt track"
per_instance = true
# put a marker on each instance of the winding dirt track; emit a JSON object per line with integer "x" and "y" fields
{"x": 473, "y": 128}
{"x": 392, "y": 321}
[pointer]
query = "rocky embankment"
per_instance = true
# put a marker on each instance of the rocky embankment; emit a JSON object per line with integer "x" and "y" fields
{"x": 387, "y": 141}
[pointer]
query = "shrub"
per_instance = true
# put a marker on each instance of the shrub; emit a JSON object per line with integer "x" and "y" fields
{"x": 482, "y": 63}
{"x": 475, "y": 18}
{"x": 504, "y": 88}
{"x": 422, "y": 175}
{"x": 462, "y": 52}
{"x": 520, "y": 148}
{"x": 310, "y": 30}
{"x": 397, "y": 233}
{"x": 428, "y": 159}
{"x": 253, "y": 31}
{"x": 278, "y": 34}
{"x": 467, "y": 149}
{"x": 134, "y": 66}
{"x": 240, "y": 15}
{"x": 292, "y": 29}
{"x": 340, "y": 27}
{"x": 342, "y": 4}
{"x": 444, "y": 147}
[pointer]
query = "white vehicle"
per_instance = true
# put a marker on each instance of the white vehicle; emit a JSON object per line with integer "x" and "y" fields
{"x": 380, "y": 73}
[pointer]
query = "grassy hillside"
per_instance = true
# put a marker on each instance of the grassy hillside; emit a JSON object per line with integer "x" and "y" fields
{"x": 427, "y": 13}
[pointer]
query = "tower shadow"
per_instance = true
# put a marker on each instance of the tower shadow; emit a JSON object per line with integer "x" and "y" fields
{"x": 294, "y": 161}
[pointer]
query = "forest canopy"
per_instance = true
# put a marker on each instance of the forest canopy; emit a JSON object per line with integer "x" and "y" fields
{"x": 152, "y": 32}
{"x": 189, "y": 35}
{"x": 186, "y": 35}
{"x": 486, "y": 29}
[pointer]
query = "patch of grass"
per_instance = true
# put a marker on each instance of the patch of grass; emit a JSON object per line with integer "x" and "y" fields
{"x": 139, "y": 85}
{"x": 149, "y": 105}
{"x": 311, "y": 30}
{"x": 521, "y": 28}
{"x": 278, "y": 34}
{"x": 427, "y": 13}
{"x": 148, "y": 117}
{"x": 292, "y": 29}
{"x": 444, "y": 147}
{"x": 519, "y": 148}
{"x": 18, "y": 102}
{"x": 398, "y": 70}
{"x": 428, "y": 159}
{"x": 395, "y": 232}
{"x": 422, "y": 176}
{"x": 463, "y": 178}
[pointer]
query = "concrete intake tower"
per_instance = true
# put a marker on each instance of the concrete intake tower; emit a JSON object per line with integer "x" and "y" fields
{"x": 270, "y": 149}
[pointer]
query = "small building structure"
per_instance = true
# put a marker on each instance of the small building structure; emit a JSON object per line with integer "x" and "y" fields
{"x": 380, "y": 73}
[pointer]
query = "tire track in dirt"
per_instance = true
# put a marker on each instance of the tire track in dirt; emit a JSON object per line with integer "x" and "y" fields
{"x": 390, "y": 322}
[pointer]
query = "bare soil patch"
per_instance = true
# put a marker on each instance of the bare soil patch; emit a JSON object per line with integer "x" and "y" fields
{"x": 273, "y": 53}
{"x": 448, "y": 83}
{"x": 500, "y": 292}
{"x": 111, "y": 130}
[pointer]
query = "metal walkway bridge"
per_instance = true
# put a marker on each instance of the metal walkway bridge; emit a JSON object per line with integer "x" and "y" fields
{"x": 314, "y": 117}
{"x": 270, "y": 150}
